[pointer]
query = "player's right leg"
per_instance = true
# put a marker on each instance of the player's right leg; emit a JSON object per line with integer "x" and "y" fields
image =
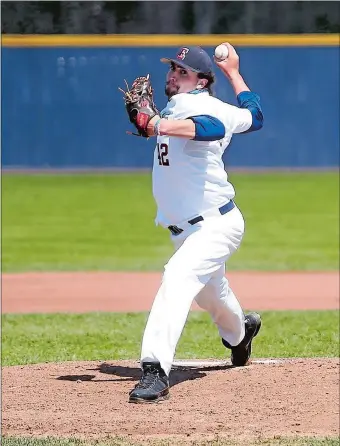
{"x": 236, "y": 329}
{"x": 218, "y": 299}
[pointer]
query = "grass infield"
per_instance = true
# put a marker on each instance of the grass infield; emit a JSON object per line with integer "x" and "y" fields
{"x": 28, "y": 339}
{"x": 293, "y": 441}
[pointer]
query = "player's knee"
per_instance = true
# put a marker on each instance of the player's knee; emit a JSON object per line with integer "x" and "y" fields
{"x": 172, "y": 271}
{"x": 183, "y": 273}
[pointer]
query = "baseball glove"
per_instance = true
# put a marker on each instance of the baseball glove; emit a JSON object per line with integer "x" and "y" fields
{"x": 139, "y": 104}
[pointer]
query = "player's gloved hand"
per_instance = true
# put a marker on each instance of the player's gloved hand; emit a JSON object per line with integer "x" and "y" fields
{"x": 139, "y": 104}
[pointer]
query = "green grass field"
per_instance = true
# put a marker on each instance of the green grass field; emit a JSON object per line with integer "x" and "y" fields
{"x": 294, "y": 441}
{"x": 106, "y": 222}
{"x": 108, "y": 336}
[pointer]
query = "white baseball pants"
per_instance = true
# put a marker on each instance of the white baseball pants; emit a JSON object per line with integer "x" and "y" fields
{"x": 196, "y": 271}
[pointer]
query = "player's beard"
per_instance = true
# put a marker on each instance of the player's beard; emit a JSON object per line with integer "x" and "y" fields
{"x": 171, "y": 90}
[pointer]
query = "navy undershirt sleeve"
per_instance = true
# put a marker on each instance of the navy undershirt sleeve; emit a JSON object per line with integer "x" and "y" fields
{"x": 251, "y": 101}
{"x": 208, "y": 128}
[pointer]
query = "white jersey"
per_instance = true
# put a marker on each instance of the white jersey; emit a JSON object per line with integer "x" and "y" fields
{"x": 189, "y": 176}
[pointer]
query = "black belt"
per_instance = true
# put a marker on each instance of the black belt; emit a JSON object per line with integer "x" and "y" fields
{"x": 175, "y": 230}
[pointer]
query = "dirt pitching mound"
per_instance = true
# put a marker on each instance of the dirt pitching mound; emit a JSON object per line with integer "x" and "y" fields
{"x": 90, "y": 399}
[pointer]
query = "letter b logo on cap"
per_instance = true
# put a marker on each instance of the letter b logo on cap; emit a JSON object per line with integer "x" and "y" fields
{"x": 182, "y": 53}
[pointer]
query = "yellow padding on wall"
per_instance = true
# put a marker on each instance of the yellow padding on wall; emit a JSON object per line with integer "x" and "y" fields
{"x": 156, "y": 40}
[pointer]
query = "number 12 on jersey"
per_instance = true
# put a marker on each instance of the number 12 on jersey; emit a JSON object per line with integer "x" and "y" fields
{"x": 163, "y": 153}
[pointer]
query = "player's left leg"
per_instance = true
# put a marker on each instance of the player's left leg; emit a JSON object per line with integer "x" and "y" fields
{"x": 191, "y": 267}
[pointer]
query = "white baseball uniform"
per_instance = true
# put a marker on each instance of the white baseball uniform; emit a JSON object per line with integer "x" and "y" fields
{"x": 189, "y": 180}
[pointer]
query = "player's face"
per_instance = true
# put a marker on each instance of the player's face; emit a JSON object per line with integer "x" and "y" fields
{"x": 180, "y": 80}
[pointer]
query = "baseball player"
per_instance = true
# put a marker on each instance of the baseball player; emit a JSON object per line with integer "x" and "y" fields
{"x": 196, "y": 205}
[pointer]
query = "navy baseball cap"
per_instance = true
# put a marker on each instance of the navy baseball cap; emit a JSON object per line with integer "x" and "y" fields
{"x": 192, "y": 58}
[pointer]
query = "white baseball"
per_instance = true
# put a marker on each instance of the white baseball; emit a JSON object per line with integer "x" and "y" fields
{"x": 221, "y": 52}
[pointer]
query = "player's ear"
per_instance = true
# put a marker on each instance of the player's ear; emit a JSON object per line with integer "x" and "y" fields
{"x": 202, "y": 83}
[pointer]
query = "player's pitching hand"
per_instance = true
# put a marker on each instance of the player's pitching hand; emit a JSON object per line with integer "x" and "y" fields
{"x": 231, "y": 65}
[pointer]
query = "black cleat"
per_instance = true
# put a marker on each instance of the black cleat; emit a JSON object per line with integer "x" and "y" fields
{"x": 153, "y": 385}
{"x": 240, "y": 354}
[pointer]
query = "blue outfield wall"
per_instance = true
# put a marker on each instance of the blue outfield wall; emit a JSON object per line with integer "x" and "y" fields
{"x": 61, "y": 106}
